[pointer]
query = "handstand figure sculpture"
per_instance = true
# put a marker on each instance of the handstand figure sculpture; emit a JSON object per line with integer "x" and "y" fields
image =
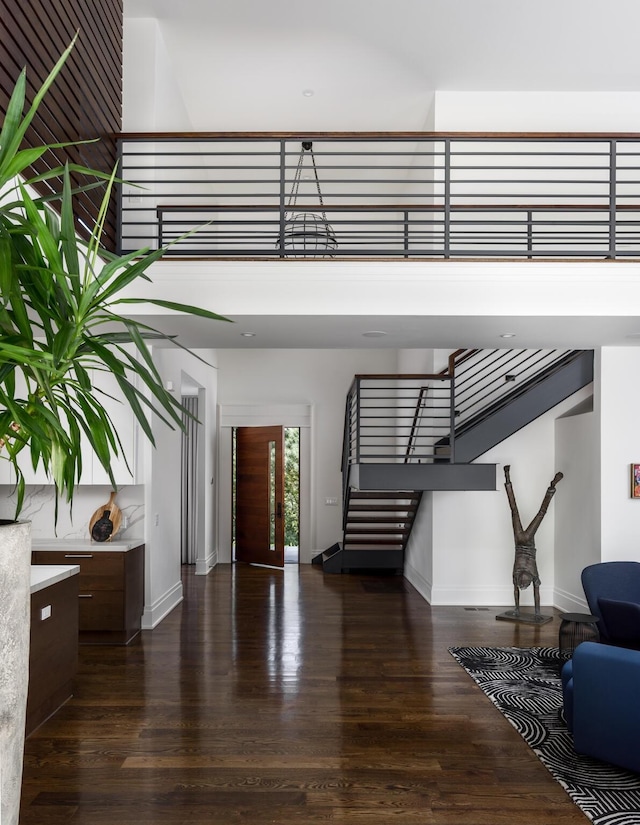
{"x": 525, "y": 569}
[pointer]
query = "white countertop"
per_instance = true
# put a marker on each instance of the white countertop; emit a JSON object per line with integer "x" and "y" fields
{"x": 44, "y": 575}
{"x": 85, "y": 545}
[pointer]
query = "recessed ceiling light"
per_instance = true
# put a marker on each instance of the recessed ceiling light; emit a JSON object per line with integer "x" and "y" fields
{"x": 373, "y": 333}
{"x": 508, "y": 335}
{"x": 308, "y": 92}
{"x": 248, "y": 334}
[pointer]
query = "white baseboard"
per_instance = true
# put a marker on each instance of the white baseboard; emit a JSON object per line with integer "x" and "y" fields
{"x": 569, "y": 602}
{"x": 155, "y": 613}
{"x": 205, "y": 566}
{"x": 418, "y": 581}
{"x": 488, "y": 596}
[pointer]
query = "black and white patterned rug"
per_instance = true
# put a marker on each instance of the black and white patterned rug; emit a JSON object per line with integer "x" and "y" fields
{"x": 524, "y": 684}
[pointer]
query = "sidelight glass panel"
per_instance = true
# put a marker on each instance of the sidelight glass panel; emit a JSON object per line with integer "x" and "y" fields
{"x": 272, "y": 495}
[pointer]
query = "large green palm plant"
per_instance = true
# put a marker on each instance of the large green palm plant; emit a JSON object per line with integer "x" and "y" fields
{"x": 60, "y": 321}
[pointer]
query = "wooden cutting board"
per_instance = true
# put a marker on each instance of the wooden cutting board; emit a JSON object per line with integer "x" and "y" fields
{"x": 115, "y": 515}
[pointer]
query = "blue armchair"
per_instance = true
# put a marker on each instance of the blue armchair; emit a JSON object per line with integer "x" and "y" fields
{"x": 612, "y": 589}
{"x": 601, "y": 686}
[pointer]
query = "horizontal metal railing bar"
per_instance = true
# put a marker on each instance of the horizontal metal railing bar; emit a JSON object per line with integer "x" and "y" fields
{"x": 400, "y": 407}
{"x": 404, "y": 376}
{"x": 355, "y": 241}
{"x": 364, "y": 422}
{"x": 425, "y": 229}
{"x": 365, "y": 415}
{"x": 422, "y": 254}
{"x": 380, "y": 136}
{"x": 378, "y": 167}
{"x": 422, "y": 207}
{"x": 311, "y": 206}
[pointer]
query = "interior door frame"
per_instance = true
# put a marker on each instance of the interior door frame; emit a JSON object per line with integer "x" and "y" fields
{"x": 261, "y": 415}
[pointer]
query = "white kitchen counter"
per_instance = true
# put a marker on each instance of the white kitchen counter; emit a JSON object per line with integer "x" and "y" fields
{"x": 85, "y": 545}
{"x": 44, "y": 575}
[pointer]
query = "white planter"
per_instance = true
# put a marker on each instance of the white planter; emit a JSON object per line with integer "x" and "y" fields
{"x": 15, "y": 613}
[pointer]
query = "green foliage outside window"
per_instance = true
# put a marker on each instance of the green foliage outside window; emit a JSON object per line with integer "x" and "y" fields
{"x": 292, "y": 487}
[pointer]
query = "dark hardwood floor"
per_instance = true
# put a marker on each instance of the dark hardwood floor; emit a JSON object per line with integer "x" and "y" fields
{"x": 295, "y": 696}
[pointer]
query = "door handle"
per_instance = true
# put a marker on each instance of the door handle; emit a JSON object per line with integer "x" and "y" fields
{"x": 279, "y": 509}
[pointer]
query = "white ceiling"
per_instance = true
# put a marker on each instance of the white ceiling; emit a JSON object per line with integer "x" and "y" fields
{"x": 374, "y": 65}
{"x": 405, "y": 332}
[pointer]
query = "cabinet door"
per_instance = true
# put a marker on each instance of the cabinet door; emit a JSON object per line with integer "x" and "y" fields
{"x": 101, "y": 610}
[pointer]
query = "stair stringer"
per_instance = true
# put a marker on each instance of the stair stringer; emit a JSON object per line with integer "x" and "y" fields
{"x": 523, "y": 407}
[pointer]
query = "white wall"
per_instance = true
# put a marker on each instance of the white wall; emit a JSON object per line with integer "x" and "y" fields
{"x": 617, "y": 403}
{"x": 418, "y": 566}
{"x": 418, "y": 562}
{"x": 163, "y": 585}
{"x": 472, "y": 540}
{"x": 537, "y": 111}
{"x": 204, "y": 374}
{"x": 152, "y": 101}
{"x": 320, "y": 378}
{"x": 577, "y": 506}
{"x": 73, "y": 523}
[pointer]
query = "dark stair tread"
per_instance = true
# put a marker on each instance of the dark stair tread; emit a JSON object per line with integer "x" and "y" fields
{"x": 400, "y": 495}
{"x": 386, "y": 508}
{"x": 373, "y": 542}
{"x": 376, "y": 531}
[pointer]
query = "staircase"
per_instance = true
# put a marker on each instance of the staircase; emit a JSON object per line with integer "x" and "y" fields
{"x": 377, "y": 526}
{"x": 405, "y": 434}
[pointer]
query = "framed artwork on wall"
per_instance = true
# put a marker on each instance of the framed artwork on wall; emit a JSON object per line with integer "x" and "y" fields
{"x": 635, "y": 481}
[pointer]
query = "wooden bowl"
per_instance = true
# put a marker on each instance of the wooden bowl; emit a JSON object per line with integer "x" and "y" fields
{"x": 115, "y": 516}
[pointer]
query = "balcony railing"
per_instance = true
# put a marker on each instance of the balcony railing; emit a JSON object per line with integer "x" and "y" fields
{"x": 382, "y": 195}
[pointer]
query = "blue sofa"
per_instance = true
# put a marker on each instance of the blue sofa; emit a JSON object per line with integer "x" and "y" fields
{"x": 601, "y": 692}
{"x": 612, "y": 589}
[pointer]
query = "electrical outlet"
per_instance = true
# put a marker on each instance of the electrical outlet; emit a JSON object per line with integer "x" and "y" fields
{"x": 332, "y": 502}
{"x": 157, "y": 519}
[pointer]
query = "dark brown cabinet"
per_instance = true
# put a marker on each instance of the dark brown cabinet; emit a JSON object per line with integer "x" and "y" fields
{"x": 53, "y": 654}
{"x": 111, "y": 591}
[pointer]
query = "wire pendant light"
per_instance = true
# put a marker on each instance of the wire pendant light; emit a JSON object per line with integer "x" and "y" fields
{"x": 307, "y": 234}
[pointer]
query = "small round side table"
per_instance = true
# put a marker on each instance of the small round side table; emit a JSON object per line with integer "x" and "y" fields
{"x": 576, "y": 628}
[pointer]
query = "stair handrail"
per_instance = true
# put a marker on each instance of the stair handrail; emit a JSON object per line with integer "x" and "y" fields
{"x": 346, "y": 443}
{"x": 415, "y": 424}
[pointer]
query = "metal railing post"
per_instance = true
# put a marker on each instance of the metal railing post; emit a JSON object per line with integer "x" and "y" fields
{"x": 282, "y": 195}
{"x": 529, "y": 234}
{"x": 447, "y": 198}
{"x": 612, "y": 198}
{"x": 406, "y": 234}
{"x": 358, "y": 386}
{"x": 452, "y": 419}
{"x": 119, "y": 199}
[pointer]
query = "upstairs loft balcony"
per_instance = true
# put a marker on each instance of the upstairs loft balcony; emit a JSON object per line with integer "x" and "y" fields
{"x": 420, "y": 195}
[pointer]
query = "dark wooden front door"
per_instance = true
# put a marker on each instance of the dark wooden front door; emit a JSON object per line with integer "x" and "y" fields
{"x": 260, "y": 495}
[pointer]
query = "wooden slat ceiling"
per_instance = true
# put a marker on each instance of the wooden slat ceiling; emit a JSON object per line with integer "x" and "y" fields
{"x": 86, "y": 100}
